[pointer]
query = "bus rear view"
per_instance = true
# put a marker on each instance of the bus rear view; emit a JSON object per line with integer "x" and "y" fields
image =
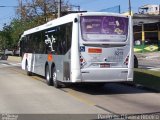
{"x": 80, "y": 47}
{"x": 106, "y": 48}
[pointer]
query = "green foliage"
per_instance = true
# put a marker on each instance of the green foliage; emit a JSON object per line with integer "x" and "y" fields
{"x": 31, "y": 14}
{"x": 147, "y": 78}
{"x": 18, "y": 27}
{"x": 10, "y": 35}
{"x": 5, "y": 37}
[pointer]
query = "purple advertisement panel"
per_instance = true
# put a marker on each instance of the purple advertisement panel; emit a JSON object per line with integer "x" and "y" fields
{"x": 104, "y": 28}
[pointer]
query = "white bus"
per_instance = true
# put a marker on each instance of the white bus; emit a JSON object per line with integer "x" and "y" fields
{"x": 92, "y": 47}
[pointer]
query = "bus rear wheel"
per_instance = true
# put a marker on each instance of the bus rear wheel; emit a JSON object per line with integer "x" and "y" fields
{"x": 48, "y": 78}
{"x": 54, "y": 77}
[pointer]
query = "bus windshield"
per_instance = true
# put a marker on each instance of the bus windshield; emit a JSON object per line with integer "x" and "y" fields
{"x": 104, "y": 28}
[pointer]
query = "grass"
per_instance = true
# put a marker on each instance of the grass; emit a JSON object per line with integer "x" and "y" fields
{"x": 147, "y": 78}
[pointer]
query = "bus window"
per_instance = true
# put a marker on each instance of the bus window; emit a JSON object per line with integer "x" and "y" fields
{"x": 104, "y": 28}
{"x": 58, "y": 39}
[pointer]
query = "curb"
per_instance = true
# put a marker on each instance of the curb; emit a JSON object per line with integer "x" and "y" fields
{"x": 142, "y": 87}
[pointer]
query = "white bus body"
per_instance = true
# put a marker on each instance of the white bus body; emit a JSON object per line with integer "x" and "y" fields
{"x": 80, "y": 47}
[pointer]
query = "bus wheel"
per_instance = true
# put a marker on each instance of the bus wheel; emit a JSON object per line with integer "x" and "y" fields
{"x": 48, "y": 78}
{"x": 135, "y": 62}
{"x": 54, "y": 77}
{"x": 27, "y": 70}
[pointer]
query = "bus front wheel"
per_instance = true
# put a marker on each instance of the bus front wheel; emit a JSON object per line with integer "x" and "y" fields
{"x": 48, "y": 78}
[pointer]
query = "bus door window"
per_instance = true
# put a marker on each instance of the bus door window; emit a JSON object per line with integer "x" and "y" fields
{"x": 58, "y": 39}
{"x": 51, "y": 40}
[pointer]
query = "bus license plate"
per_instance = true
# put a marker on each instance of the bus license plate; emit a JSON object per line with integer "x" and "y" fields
{"x": 104, "y": 65}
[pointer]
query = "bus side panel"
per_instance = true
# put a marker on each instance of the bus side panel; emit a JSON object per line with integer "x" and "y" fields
{"x": 66, "y": 67}
{"x": 58, "y": 61}
{"x": 62, "y": 65}
{"x": 23, "y": 64}
{"x": 27, "y": 59}
{"x": 38, "y": 65}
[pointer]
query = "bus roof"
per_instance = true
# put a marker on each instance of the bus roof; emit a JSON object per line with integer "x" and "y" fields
{"x": 66, "y": 19}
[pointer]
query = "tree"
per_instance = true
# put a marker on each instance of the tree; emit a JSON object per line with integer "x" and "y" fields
{"x": 18, "y": 27}
{"x": 1, "y": 41}
{"x": 5, "y": 37}
{"x": 31, "y": 14}
{"x": 40, "y": 10}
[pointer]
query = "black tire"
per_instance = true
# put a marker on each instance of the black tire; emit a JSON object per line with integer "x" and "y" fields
{"x": 135, "y": 62}
{"x": 54, "y": 78}
{"x": 27, "y": 71}
{"x": 49, "y": 81}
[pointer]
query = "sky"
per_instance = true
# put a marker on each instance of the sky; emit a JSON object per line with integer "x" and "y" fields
{"x": 7, "y": 13}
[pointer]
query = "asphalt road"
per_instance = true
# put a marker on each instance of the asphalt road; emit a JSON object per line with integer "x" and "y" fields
{"x": 149, "y": 63}
{"x": 21, "y": 94}
{"x": 149, "y": 60}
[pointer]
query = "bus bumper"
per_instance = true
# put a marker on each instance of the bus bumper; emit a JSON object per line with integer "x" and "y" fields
{"x": 107, "y": 75}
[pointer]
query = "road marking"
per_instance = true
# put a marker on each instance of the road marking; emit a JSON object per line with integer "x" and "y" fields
{"x": 14, "y": 64}
{"x": 150, "y": 67}
{"x": 106, "y": 109}
{"x": 4, "y": 64}
{"x": 155, "y": 69}
{"x": 38, "y": 78}
{"x": 150, "y": 57}
{"x": 10, "y": 64}
{"x": 78, "y": 97}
